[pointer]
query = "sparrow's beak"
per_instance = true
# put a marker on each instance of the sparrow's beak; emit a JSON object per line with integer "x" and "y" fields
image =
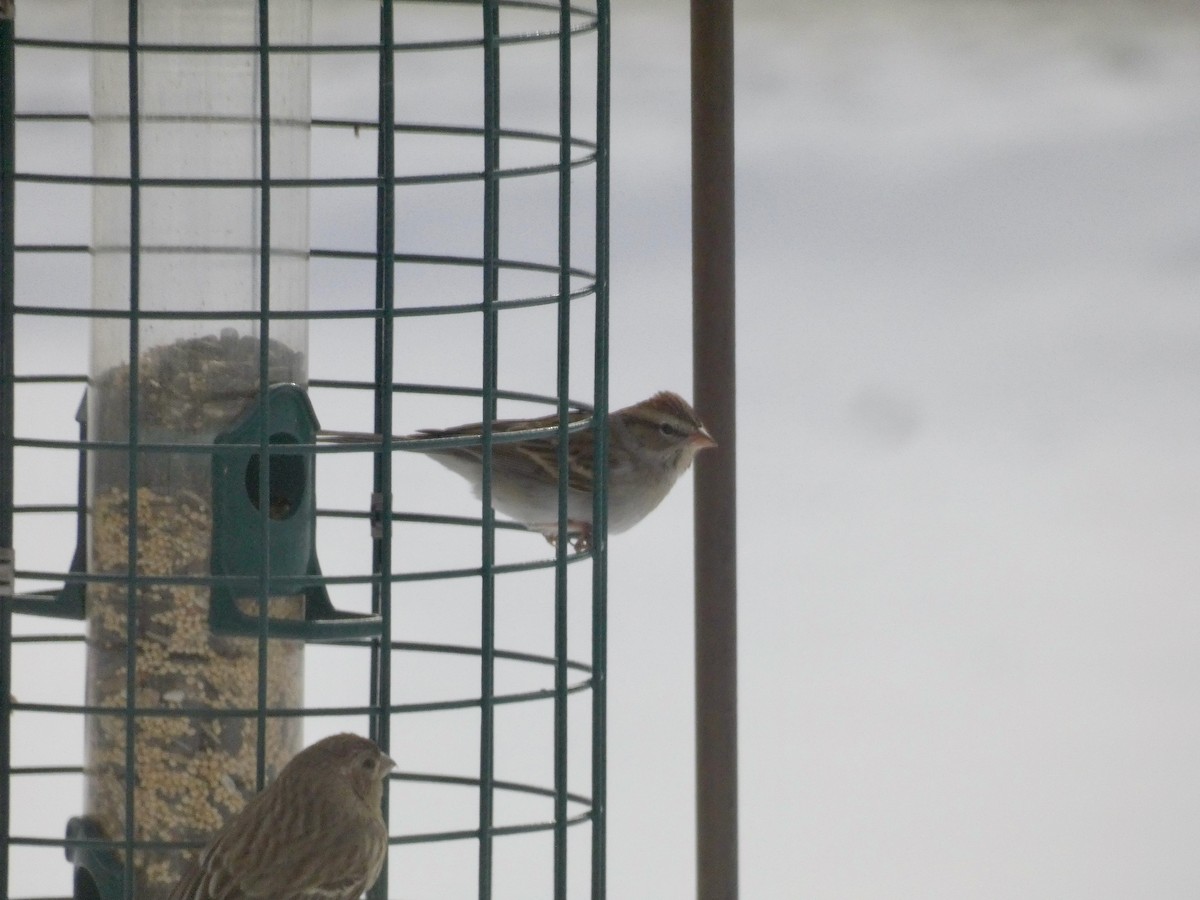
{"x": 702, "y": 439}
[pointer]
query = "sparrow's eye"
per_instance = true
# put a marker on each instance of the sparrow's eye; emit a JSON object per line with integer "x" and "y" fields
{"x": 668, "y": 429}
{"x": 368, "y": 763}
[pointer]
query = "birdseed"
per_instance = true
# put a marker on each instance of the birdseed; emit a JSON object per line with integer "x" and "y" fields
{"x": 192, "y": 772}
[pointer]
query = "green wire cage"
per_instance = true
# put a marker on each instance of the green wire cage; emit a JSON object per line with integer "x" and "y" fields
{"x": 245, "y": 247}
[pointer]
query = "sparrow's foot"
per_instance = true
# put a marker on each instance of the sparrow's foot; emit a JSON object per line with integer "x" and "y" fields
{"x": 579, "y": 536}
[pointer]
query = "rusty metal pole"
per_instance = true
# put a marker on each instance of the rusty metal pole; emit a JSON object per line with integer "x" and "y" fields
{"x": 716, "y": 483}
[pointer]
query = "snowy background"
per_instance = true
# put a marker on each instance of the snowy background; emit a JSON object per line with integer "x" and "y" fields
{"x": 969, "y": 346}
{"x": 969, "y": 374}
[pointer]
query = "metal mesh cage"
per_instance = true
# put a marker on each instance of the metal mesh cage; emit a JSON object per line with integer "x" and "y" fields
{"x": 245, "y": 247}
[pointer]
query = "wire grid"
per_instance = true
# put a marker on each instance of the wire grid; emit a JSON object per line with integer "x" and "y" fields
{"x": 574, "y": 283}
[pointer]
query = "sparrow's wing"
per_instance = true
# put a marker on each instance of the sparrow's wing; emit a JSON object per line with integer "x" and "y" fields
{"x": 535, "y": 459}
{"x": 475, "y": 429}
{"x": 307, "y": 853}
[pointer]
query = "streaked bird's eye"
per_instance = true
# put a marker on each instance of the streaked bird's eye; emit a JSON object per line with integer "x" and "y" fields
{"x": 668, "y": 429}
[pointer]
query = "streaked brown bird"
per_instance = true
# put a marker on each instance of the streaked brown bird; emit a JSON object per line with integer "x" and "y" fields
{"x": 650, "y": 444}
{"x": 315, "y": 833}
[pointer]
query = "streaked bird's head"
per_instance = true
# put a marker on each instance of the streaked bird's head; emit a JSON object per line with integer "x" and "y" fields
{"x": 352, "y": 757}
{"x": 666, "y": 428}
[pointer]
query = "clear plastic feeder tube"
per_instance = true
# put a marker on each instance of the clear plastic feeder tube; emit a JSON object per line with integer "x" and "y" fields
{"x": 198, "y": 252}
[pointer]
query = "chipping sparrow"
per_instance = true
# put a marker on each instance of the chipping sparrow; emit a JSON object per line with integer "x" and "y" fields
{"x": 315, "y": 833}
{"x": 650, "y": 444}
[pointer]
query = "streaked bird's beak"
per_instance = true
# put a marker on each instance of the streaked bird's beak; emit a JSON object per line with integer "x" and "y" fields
{"x": 702, "y": 439}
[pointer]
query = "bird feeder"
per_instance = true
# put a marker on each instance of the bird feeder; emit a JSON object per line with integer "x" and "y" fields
{"x": 198, "y": 602}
